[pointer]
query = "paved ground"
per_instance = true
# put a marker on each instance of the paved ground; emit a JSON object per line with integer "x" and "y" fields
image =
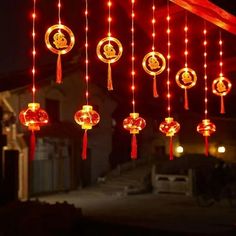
{"x": 176, "y": 213}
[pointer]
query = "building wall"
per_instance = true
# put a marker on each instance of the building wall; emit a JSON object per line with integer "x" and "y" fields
{"x": 71, "y": 95}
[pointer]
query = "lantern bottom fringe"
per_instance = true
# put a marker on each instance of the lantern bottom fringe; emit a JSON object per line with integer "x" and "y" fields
{"x": 84, "y": 147}
{"x": 186, "y": 107}
{"x": 59, "y": 70}
{"x": 206, "y": 145}
{"x": 154, "y": 87}
{"x": 222, "y": 105}
{"x": 171, "y": 149}
{"x": 134, "y": 147}
{"x": 32, "y": 145}
{"x": 109, "y": 78}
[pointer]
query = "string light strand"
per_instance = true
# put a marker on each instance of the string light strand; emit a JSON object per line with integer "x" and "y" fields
{"x": 59, "y": 12}
{"x": 186, "y": 40}
{"x": 109, "y": 19}
{"x": 86, "y": 53}
{"x": 153, "y": 25}
{"x": 168, "y": 60}
{"x": 205, "y": 71}
{"x": 33, "y": 51}
{"x": 133, "y": 57}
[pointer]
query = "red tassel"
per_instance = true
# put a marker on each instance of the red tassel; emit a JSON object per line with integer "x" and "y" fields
{"x": 32, "y": 146}
{"x": 59, "y": 70}
{"x": 109, "y": 78}
{"x": 134, "y": 147}
{"x": 171, "y": 148}
{"x": 222, "y": 105}
{"x": 84, "y": 148}
{"x": 154, "y": 87}
{"x": 206, "y": 146}
{"x": 186, "y": 100}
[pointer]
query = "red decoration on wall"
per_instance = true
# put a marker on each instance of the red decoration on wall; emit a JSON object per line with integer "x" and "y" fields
{"x": 206, "y": 128}
{"x": 170, "y": 127}
{"x": 134, "y": 123}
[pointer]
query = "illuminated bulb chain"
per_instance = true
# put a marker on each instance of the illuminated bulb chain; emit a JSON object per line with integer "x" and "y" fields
{"x": 168, "y": 60}
{"x": 59, "y": 12}
{"x": 186, "y": 40}
{"x": 221, "y": 54}
{"x": 153, "y": 25}
{"x": 205, "y": 68}
{"x": 86, "y": 52}
{"x": 33, "y": 50}
{"x": 109, "y": 19}
{"x": 133, "y": 58}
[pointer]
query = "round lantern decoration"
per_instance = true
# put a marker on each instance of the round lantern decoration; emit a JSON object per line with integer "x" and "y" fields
{"x": 33, "y": 117}
{"x": 221, "y": 86}
{"x": 154, "y": 63}
{"x": 170, "y": 127}
{"x": 206, "y": 128}
{"x": 60, "y": 40}
{"x": 134, "y": 123}
{"x": 186, "y": 78}
{"x": 87, "y": 118}
{"x": 109, "y": 50}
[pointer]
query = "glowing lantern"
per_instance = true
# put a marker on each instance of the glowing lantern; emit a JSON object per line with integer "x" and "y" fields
{"x": 33, "y": 117}
{"x": 109, "y": 50}
{"x": 186, "y": 78}
{"x": 134, "y": 123}
{"x": 87, "y": 118}
{"x": 60, "y": 40}
{"x": 221, "y": 86}
{"x": 170, "y": 127}
{"x": 206, "y": 128}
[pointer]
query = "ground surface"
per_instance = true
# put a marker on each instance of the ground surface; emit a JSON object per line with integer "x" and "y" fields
{"x": 173, "y": 213}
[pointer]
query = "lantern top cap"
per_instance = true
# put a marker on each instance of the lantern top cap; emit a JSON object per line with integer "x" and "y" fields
{"x": 34, "y": 105}
{"x": 87, "y": 107}
{"x": 134, "y": 115}
{"x": 169, "y": 119}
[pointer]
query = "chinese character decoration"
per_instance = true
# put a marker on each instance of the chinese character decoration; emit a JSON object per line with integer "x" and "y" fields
{"x": 33, "y": 116}
{"x": 221, "y": 86}
{"x": 109, "y": 49}
{"x": 206, "y": 127}
{"x": 133, "y": 123}
{"x": 169, "y": 126}
{"x": 154, "y": 63}
{"x": 186, "y": 77}
{"x": 60, "y": 40}
{"x": 86, "y": 117}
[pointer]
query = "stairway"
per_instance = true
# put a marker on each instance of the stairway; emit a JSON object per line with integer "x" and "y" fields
{"x": 119, "y": 183}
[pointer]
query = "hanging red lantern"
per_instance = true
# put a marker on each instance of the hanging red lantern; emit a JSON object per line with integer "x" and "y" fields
{"x": 206, "y": 128}
{"x": 87, "y": 118}
{"x": 134, "y": 123}
{"x": 33, "y": 117}
{"x": 170, "y": 127}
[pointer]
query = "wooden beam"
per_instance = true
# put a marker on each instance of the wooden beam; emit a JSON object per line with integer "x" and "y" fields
{"x": 210, "y": 12}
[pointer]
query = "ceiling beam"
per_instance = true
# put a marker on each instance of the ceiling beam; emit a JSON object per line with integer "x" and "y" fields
{"x": 210, "y": 12}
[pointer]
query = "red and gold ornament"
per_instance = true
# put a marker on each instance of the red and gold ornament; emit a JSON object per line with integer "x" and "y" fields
{"x": 206, "y": 128}
{"x": 87, "y": 118}
{"x": 134, "y": 123}
{"x": 33, "y": 117}
{"x": 170, "y": 127}
{"x": 109, "y": 49}
{"x": 60, "y": 40}
{"x": 154, "y": 63}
